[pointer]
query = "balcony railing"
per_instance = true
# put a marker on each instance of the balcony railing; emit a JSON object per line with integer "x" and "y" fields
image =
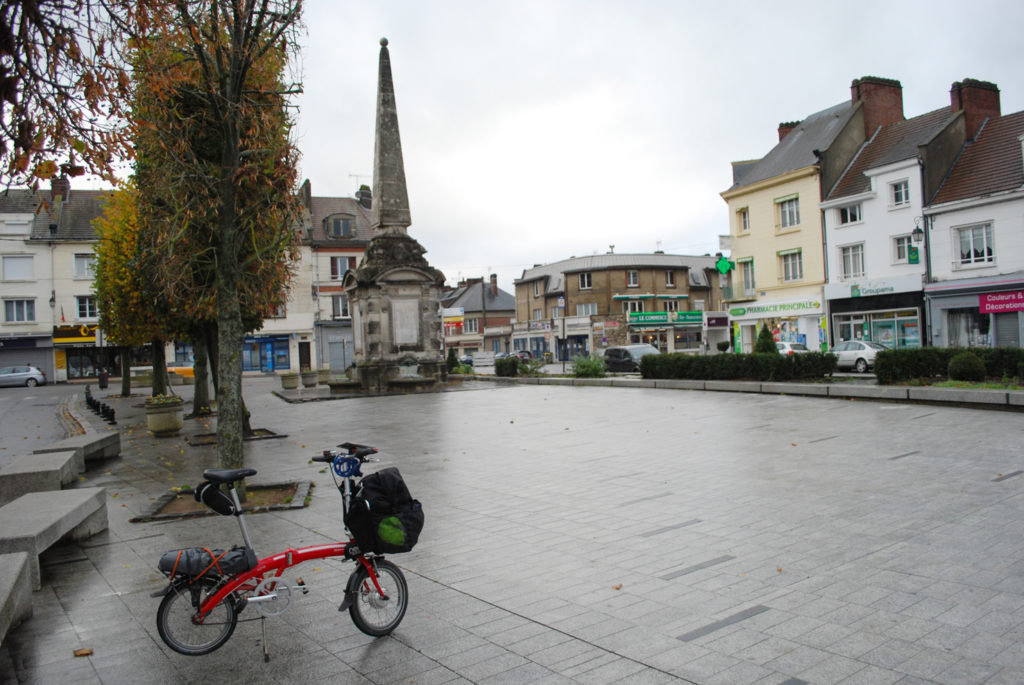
{"x": 738, "y": 293}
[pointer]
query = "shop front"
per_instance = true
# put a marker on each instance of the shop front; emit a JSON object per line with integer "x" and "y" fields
{"x": 573, "y": 338}
{"x": 801, "y": 321}
{"x": 267, "y": 354}
{"x": 976, "y": 312}
{"x": 32, "y": 350}
{"x": 533, "y": 337}
{"x": 79, "y": 352}
{"x": 888, "y": 311}
{"x": 668, "y": 331}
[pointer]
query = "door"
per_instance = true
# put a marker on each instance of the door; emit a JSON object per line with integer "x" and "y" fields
{"x": 1007, "y": 329}
{"x": 267, "y": 357}
{"x": 304, "y": 361}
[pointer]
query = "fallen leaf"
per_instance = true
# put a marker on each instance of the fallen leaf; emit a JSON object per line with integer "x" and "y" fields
{"x": 779, "y": 569}
{"x": 793, "y": 444}
{"x": 83, "y": 652}
{"x": 617, "y": 587}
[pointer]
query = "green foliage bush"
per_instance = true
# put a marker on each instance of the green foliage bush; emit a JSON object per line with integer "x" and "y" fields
{"x": 927, "y": 363}
{"x": 966, "y": 366}
{"x": 452, "y": 361}
{"x": 509, "y": 366}
{"x": 722, "y": 345}
{"x": 588, "y": 367}
{"x": 765, "y": 342}
{"x": 760, "y": 367}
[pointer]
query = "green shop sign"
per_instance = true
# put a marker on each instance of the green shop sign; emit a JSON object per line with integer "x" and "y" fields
{"x": 664, "y": 318}
{"x": 782, "y": 308}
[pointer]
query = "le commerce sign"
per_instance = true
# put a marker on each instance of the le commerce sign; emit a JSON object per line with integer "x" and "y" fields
{"x": 994, "y": 303}
{"x": 665, "y": 318}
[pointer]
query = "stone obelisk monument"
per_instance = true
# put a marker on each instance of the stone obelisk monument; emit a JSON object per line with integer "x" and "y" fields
{"x": 394, "y": 294}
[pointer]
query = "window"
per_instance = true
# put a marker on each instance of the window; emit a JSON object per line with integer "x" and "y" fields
{"x": 341, "y": 227}
{"x": 538, "y": 314}
{"x": 633, "y": 306}
{"x": 671, "y": 305}
{"x": 901, "y": 249}
{"x": 849, "y": 215}
{"x": 747, "y": 271}
{"x": 557, "y": 312}
{"x": 19, "y": 310}
{"x": 536, "y": 288}
{"x": 83, "y": 265}
{"x": 87, "y": 307}
{"x": 339, "y": 265}
{"x": 279, "y": 312}
{"x": 632, "y": 278}
{"x": 743, "y": 220}
{"x": 899, "y": 193}
{"x": 975, "y": 244}
{"x": 792, "y": 266}
{"x": 586, "y": 309}
{"x": 339, "y": 307}
{"x": 586, "y": 283}
{"x": 853, "y": 260}
{"x": 698, "y": 305}
{"x": 18, "y": 268}
{"x": 789, "y": 212}
{"x": 670, "y": 279}
{"x": 471, "y": 326}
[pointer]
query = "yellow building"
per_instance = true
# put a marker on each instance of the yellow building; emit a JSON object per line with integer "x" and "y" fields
{"x": 775, "y": 225}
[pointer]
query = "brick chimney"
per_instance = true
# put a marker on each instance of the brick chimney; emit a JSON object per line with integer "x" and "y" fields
{"x": 365, "y": 196}
{"x": 60, "y": 186}
{"x": 978, "y": 99}
{"x": 785, "y": 127}
{"x": 494, "y": 285}
{"x": 883, "y": 101}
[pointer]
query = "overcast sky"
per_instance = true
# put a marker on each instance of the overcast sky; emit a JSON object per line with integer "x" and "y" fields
{"x": 534, "y": 131}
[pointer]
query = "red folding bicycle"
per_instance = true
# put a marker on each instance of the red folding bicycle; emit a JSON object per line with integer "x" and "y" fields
{"x": 208, "y": 589}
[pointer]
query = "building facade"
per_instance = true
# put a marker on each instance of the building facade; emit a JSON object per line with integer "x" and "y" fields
{"x": 478, "y": 317}
{"x": 582, "y": 305}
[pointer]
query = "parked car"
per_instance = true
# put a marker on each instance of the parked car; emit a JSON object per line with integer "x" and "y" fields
{"x": 525, "y": 355}
{"x": 466, "y": 360}
{"x": 22, "y": 375}
{"x": 500, "y": 355}
{"x": 791, "y": 348}
{"x": 627, "y": 357}
{"x": 858, "y": 355}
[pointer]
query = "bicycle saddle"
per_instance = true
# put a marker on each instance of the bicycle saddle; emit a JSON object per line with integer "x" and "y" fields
{"x": 227, "y": 475}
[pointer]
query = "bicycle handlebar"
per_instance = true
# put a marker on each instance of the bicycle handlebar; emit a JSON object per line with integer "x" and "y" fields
{"x": 351, "y": 449}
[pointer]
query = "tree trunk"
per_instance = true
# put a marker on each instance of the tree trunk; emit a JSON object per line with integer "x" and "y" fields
{"x": 201, "y": 397}
{"x": 126, "y": 371}
{"x": 230, "y": 331}
{"x": 212, "y": 354}
{"x": 159, "y": 368}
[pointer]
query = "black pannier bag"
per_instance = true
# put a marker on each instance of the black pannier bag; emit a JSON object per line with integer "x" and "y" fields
{"x": 382, "y": 515}
{"x": 194, "y": 562}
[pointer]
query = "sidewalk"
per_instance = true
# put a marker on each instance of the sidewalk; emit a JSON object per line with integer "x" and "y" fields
{"x": 586, "y": 534}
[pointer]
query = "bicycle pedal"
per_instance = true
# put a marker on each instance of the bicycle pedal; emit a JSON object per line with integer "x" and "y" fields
{"x": 302, "y": 586}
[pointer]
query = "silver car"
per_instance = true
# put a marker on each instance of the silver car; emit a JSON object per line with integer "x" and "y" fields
{"x": 857, "y": 354}
{"x": 21, "y": 375}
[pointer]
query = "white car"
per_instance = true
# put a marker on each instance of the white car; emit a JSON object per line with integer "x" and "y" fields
{"x": 858, "y": 355}
{"x": 791, "y": 348}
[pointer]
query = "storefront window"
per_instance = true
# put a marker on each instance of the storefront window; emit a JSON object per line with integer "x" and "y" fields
{"x": 965, "y": 327}
{"x": 895, "y": 330}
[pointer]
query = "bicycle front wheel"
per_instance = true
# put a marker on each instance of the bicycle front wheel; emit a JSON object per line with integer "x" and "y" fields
{"x": 174, "y": 618}
{"x": 373, "y": 614}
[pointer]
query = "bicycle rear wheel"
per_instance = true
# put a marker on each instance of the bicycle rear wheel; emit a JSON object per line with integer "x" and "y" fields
{"x": 373, "y": 614}
{"x": 174, "y": 618}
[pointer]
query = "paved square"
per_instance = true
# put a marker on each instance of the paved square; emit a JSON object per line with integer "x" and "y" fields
{"x": 593, "y": 535}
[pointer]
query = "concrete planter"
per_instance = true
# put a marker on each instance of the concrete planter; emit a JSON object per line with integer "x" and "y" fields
{"x": 309, "y": 379}
{"x": 290, "y": 381}
{"x": 323, "y": 376}
{"x": 165, "y": 418}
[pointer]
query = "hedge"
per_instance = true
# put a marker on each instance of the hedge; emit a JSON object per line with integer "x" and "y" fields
{"x": 760, "y": 367}
{"x": 900, "y": 366}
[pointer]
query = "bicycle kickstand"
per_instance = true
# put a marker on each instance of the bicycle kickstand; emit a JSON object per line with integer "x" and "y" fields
{"x": 266, "y": 646}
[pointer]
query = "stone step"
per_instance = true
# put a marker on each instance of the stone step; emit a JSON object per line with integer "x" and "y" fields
{"x": 39, "y": 472}
{"x": 15, "y": 591}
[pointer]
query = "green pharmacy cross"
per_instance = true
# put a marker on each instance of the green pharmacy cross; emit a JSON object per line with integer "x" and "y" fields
{"x": 724, "y": 266}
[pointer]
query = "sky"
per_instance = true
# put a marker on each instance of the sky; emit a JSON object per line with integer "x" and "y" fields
{"x": 538, "y": 130}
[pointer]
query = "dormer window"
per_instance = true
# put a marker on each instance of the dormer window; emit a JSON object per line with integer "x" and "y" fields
{"x": 339, "y": 226}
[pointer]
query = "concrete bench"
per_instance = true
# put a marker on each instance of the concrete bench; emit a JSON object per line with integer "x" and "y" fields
{"x": 39, "y": 472}
{"x": 15, "y": 591}
{"x": 92, "y": 445}
{"x": 36, "y": 520}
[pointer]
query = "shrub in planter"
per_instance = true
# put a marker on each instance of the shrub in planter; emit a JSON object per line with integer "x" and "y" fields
{"x": 722, "y": 345}
{"x": 966, "y": 366}
{"x": 164, "y": 414}
{"x": 765, "y": 342}
{"x": 509, "y": 366}
{"x": 289, "y": 380}
{"x": 452, "y": 361}
{"x": 588, "y": 367}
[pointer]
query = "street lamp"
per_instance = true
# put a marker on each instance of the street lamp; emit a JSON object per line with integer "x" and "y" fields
{"x": 917, "y": 235}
